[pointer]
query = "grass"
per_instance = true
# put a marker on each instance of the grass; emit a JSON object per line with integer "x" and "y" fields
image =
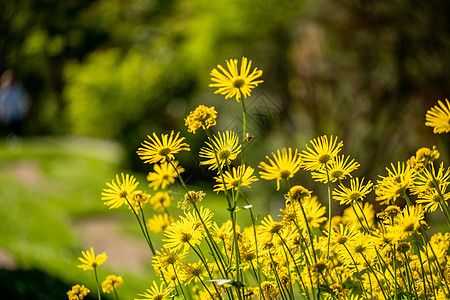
{"x": 47, "y": 184}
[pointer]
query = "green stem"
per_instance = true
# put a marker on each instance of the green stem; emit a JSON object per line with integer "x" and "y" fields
{"x": 244, "y": 129}
{"x": 115, "y": 293}
{"x": 98, "y": 284}
{"x": 357, "y": 271}
{"x": 179, "y": 282}
{"x": 147, "y": 239}
{"x": 329, "y": 211}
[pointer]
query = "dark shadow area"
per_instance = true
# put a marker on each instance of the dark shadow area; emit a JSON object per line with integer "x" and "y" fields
{"x": 32, "y": 284}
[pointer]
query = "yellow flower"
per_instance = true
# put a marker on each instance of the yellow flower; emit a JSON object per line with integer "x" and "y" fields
{"x": 284, "y": 166}
{"x": 202, "y": 116}
{"x": 225, "y": 146}
{"x": 322, "y": 153}
{"x": 111, "y": 283}
{"x": 117, "y": 191}
{"x": 159, "y": 223}
{"x": 389, "y": 188}
{"x": 161, "y": 150}
{"x": 90, "y": 261}
{"x": 78, "y": 292}
{"x": 338, "y": 170}
{"x": 182, "y": 234}
{"x": 156, "y": 293}
{"x": 357, "y": 191}
{"x": 438, "y": 117}
{"x": 163, "y": 175}
{"x": 423, "y": 157}
{"x": 138, "y": 200}
{"x": 191, "y": 197}
{"x": 161, "y": 201}
{"x": 240, "y": 176}
{"x": 193, "y": 271}
{"x": 168, "y": 257}
{"x": 233, "y": 83}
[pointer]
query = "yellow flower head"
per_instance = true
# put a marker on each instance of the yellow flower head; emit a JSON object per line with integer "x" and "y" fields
{"x": 137, "y": 201}
{"x": 168, "y": 257}
{"x": 90, "y": 261}
{"x": 182, "y": 234}
{"x": 116, "y": 193}
{"x": 191, "y": 197}
{"x": 357, "y": 191}
{"x": 160, "y": 150}
{"x": 322, "y": 153}
{"x": 221, "y": 150}
{"x": 78, "y": 292}
{"x": 240, "y": 176}
{"x": 284, "y": 166}
{"x": 423, "y": 156}
{"x": 161, "y": 200}
{"x": 202, "y": 116}
{"x": 438, "y": 117}
{"x": 111, "y": 283}
{"x": 298, "y": 193}
{"x": 193, "y": 271}
{"x": 337, "y": 170}
{"x": 164, "y": 174}
{"x": 156, "y": 293}
{"x": 233, "y": 83}
{"x": 159, "y": 223}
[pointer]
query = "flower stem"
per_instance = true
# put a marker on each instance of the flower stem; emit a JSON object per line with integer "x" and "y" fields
{"x": 98, "y": 284}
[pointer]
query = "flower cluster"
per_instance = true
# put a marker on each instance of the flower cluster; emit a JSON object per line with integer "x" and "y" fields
{"x": 304, "y": 251}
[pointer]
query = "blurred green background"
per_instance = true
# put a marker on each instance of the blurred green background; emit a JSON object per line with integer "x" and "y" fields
{"x": 102, "y": 74}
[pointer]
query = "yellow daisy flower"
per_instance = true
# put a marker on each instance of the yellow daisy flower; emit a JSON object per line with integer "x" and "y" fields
{"x": 155, "y": 293}
{"x": 182, "y": 234}
{"x": 90, "y": 261}
{"x": 111, "y": 283}
{"x": 160, "y": 150}
{"x": 161, "y": 201}
{"x": 163, "y": 175}
{"x": 193, "y": 271}
{"x": 117, "y": 191}
{"x": 241, "y": 175}
{"x": 168, "y": 257}
{"x": 322, "y": 153}
{"x": 159, "y": 223}
{"x": 78, "y": 292}
{"x": 233, "y": 83}
{"x": 438, "y": 117}
{"x": 225, "y": 145}
{"x": 338, "y": 170}
{"x": 202, "y": 116}
{"x": 189, "y": 198}
{"x": 138, "y": 200}
{"x": 357, "y": 191}
{"x": 399, "y": 178}
{"x": 284, "y": 166}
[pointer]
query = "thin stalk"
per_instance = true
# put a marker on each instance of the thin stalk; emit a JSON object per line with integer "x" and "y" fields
{"x": 376, "y": 277}
{"x": 179, "y": 282}
{"x": 329, "y": 212}
{"x": 357, "y": 271}
{"x": 147, "y": 239}
{"x": 277, "y": 278}
{"x": 115, "y": 293}
{"x": 244, "y": 128}
{"x": 98, "y": 284}
{"x": 410, "y": 281}
{"x": 295, "y": 265}
{"x": 424, "y": 277}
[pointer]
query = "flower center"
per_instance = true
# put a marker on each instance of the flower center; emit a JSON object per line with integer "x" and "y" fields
{"x": 354, "y": 196}
{"x": 285, "y": 174}
{"x": 123, "y": 194}
{"x": 324, "y": 159}
{"x": 238, "y": 83}
{"x": 164, "y": 151}
{"x": 342, "y": 240}
{"x": 224, "y": 154}
{"x": 186, "y": 237}
{"x": 336, "y": 174}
